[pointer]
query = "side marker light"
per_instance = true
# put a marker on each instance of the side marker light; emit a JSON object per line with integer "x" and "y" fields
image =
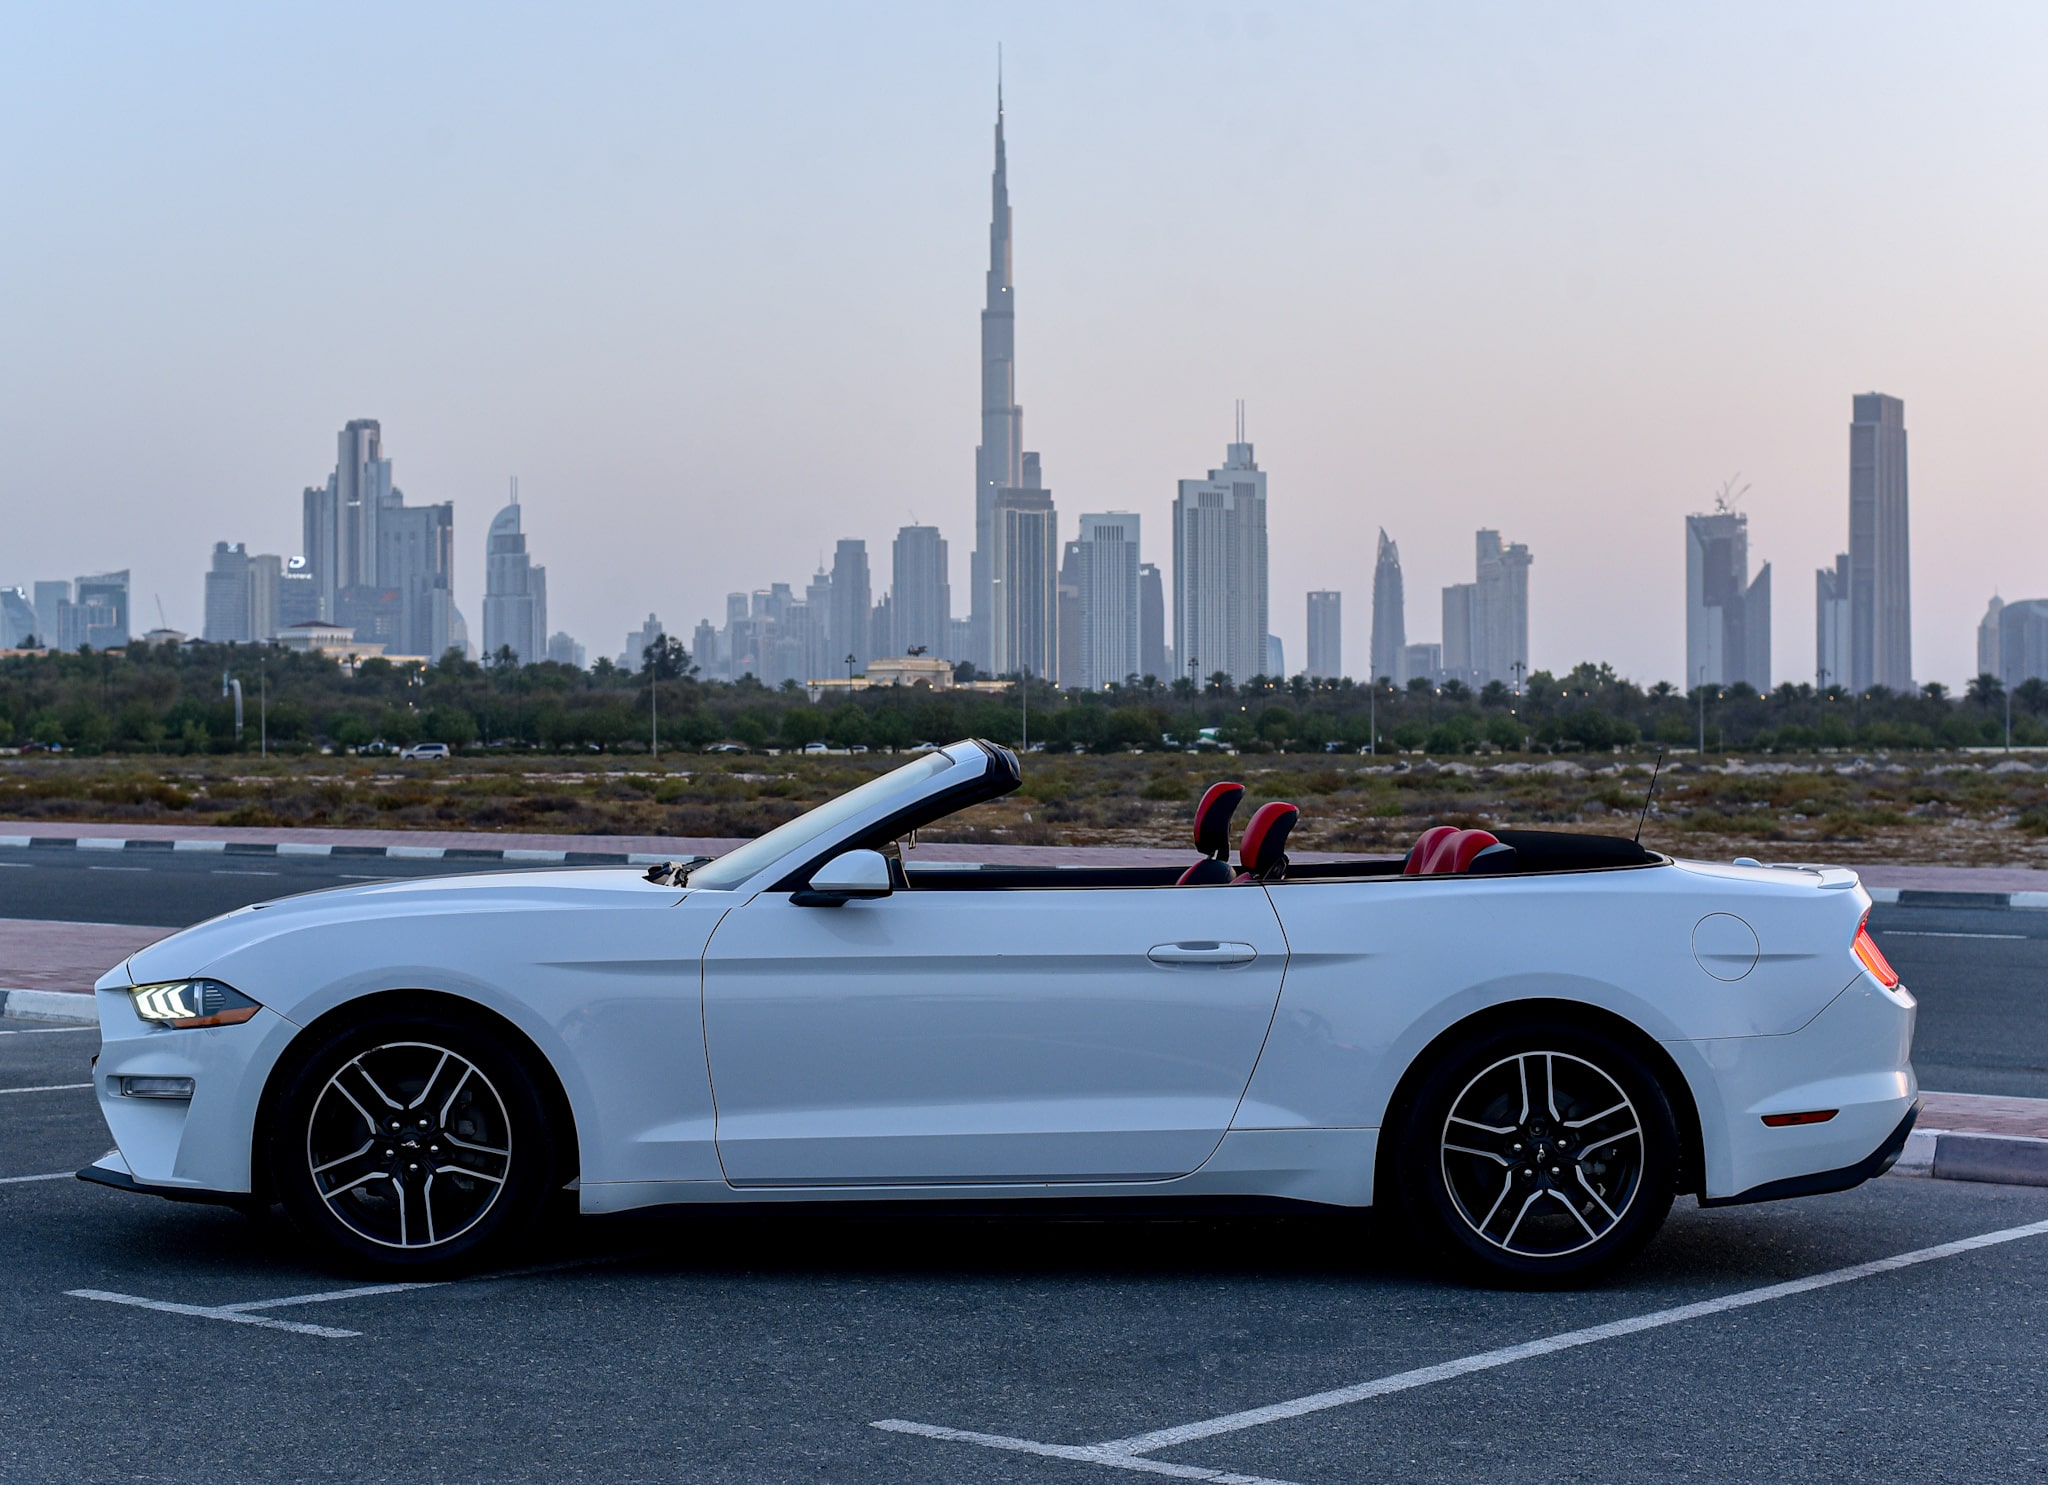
{"x": 1811, "y": 1116}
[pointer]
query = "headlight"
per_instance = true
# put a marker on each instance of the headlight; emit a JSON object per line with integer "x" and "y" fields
{"x": 187, "y": 1003}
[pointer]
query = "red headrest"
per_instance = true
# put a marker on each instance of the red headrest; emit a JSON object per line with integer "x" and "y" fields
{"x": 1467, "y": 846}
{"x": 1425, "y": 848}
{"x": 1447, "y": 851}
{"x": 1212, "y": 819}
{"x": 1265, "y": 839}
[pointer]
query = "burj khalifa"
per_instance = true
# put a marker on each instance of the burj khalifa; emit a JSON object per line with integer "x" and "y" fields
{"x": 1000, "y": 463}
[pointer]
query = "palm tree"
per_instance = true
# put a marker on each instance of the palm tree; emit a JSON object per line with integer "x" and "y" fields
{"x": 1986, "y": 689}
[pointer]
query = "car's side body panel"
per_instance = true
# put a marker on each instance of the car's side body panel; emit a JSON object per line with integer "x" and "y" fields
{"x": 1016, "y": 1036}
{"x": 1381, "y": 968}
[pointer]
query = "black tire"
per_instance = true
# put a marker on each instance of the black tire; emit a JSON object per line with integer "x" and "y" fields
{"x": 1553, "y": 1185}
{"x": 404, "y": 1121}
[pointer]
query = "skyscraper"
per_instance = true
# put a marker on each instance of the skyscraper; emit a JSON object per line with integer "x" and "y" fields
{"x": 17, "y": 618}
{"x": 1727, "y": 614}
{"x": 563, "y": 650}
{"x": 515, "y": 591}
{"x": 1486, "y": 621}
{"x": 101, "y": 610}
{"x": 1110, "y": 644}
{"x": 1000, "y": 461}
{"x": 385, "y": 570}
{"x": 1152, "y": 658}
{"x": 1326, "y": 635}
{"x": 1831, "y": 624}
{"x": 1389, "y": 613}
{"x": 52, "y": 601}
{"x": 1988, "y": 661}
{"x": 1219, "y": 569}
{"x": 851, "y": 608}
{"x": 1024, "y": 587}
{"x": 1880, "y": 565}
{"x": 921, "y": 590}
{"x": 227, "y": 596}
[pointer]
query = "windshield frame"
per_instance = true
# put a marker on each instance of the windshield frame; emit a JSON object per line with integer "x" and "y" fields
{"x": 845, "y": 817}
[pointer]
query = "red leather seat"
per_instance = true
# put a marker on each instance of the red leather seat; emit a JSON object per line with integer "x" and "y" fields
{"x": 1212, "y": 835}
{"x": 1263, "y": 853}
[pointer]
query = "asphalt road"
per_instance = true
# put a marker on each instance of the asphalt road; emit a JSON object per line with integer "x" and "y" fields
{"x": 1981, "y": 974}
{"x": 677, "y": 1346}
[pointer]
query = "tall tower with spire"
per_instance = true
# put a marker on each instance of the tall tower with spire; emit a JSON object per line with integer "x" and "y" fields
{"x": 1000, "y": 463}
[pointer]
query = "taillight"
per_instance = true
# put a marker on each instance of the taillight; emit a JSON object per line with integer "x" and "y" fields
{"x": 1872, "y": 956}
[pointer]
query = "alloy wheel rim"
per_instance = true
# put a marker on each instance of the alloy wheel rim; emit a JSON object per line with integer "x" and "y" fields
{"x": 409, "y": 1145}
{"x": 1542, "y": 1154}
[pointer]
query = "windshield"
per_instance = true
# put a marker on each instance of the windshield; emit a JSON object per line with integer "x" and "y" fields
{"x": 898, "y": 786}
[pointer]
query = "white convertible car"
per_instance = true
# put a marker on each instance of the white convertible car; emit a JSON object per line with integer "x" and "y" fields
{"x": 1527, "y": 1042}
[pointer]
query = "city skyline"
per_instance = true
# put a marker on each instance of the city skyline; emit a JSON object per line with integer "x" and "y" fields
{"x": 614, "y": 430}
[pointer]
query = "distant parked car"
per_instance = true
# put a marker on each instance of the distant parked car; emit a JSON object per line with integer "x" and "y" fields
{"x": 427, "y": 753}
{"x": 816, "y": 747}
{"x": 376, "y": 747}
{"x": 924, "y": 747}
{"x": 725, "y": 748}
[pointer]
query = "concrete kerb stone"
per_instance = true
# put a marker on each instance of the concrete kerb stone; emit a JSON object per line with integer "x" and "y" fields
{"x": 65, "y": 1006}
{"x": 1963, "y": 1155}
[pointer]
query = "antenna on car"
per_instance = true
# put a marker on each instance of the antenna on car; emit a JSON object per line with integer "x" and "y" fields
{"x": 1649, "y": 796}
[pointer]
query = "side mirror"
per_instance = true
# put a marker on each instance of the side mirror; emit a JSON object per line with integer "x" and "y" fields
{"x": 848, "y": 875}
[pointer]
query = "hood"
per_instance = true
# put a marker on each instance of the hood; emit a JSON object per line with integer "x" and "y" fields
{"x": 188, "y": 953}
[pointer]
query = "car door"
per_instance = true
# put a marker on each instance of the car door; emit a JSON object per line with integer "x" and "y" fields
{"x": 976, "y": 1037}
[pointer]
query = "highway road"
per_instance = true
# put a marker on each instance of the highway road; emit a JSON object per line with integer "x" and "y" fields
{"x": 1981, "y": 974}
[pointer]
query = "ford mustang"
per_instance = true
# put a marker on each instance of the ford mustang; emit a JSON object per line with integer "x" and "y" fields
{"x": 1525, "y": 1043}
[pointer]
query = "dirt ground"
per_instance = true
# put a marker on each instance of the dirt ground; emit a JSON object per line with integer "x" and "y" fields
{"x": 1934, "y": 809}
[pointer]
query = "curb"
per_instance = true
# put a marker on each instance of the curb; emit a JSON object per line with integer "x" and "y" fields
{"x": 50, "y": 1005}
{"x": 1919, "y": 897}
{"x": 398, "y": 853}
{"x": 1949, "y": 1155}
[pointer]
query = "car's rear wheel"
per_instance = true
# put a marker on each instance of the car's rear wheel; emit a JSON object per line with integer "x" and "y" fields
{"x": 411, "y": 1142}
{"x": 1539, "y": 1152}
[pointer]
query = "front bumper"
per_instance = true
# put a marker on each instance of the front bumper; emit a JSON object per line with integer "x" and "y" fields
{"x": 198, "y": 1147}
{"x": 111, "y": 1170}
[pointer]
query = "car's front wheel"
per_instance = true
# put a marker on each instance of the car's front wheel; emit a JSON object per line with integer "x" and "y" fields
{"x": 411, "y": 1142}
{"x": 1539, "y": 1152}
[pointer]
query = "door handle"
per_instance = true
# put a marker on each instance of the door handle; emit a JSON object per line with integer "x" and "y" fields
{"x": 1205, "y": 952}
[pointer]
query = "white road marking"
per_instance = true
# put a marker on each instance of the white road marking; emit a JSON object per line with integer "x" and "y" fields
{"x": 48, "y": 1087}
{"x": 322, "y": 1298}
{"x": 117, "y": 868}
{"x": 1125, "y": 1453}
{"x": 210, "y": 1312}
{"x": 19, "y": 865}
{"x": 229, "y": 871}
{"x": 1078, "y": 1453}
{"x": 47, "y": 1030}
{"x": 366, "y": 876}
{"x": 1938, "y": 933}
{"x": 55, "y": 1175}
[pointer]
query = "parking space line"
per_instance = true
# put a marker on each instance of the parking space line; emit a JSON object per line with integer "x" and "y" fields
{"x": 228, "y": 871}
{"x": 1125, "y": 1453}
{"x": 211, "y": 1312}
{"x": 55, "y": 1175}
{"x": 248, "y": 1305}
{"x": 48, "y": 1088}
{"x": 1078, "y": 1453}
{"x": 48, "y": 1030}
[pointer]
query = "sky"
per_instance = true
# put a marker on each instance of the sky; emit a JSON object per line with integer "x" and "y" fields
{"x": 707, "y": 280}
